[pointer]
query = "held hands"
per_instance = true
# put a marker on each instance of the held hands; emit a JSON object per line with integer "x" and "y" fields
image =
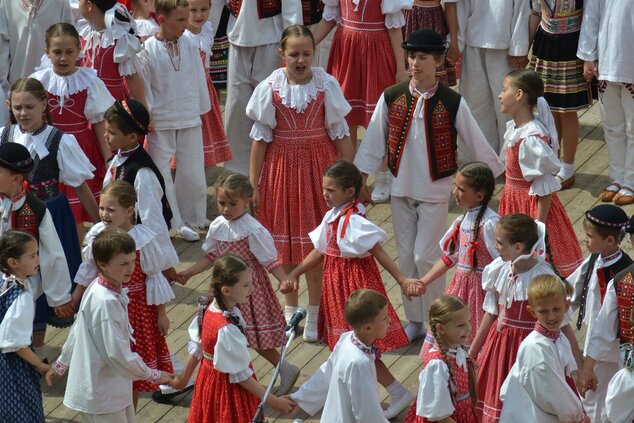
{"x": 586, "y": 381}
{"x": 183, "y": 277}
{"x": 518, "y": 62}
{"x": 49, "y": 376}
{"x": 282, "y": 404}
{"x": 65, "y": 311}
{"x": 413, "y": 288}
{"x": 178, "y": 383}
{"x": 289, "y": 285}
{"x": 166, "y": 378}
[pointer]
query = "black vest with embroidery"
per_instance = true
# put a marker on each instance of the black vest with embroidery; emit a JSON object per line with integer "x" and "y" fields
{"x": 127, "y": 171}
{"x": 266, "y": 8}
{"x": 624, "y": 287}
{"x": 312, "y": 11}
{"x": 29, "y": 217}
{"x": 440, "y": 117}
{"x": 44, "y": 178}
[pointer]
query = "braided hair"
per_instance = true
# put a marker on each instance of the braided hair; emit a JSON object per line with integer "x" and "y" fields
{"x": 226, "y": 272}
{"x": 478, "y": 177}
{"x": 441, "y": 311}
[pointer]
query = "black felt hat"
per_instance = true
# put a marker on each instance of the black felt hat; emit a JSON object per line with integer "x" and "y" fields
{"x": 629, "y": 226}
{"x": 607, "y": 215}
{"x": 15, "y": 157}
{"x": 425, "y": 40}
{"x": 135, "y": 113}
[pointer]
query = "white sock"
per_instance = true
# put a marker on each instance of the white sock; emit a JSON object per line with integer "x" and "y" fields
{"x": 313, "y": 312}
{"x": 288, "y": 312}
{"x": 567, "y": 170}
{"x": 396, "y": 389}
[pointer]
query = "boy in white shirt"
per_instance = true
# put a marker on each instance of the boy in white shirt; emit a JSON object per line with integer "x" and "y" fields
{"x": 97, "y": 352}
{"x": 176, "y": 92}
{"x": 345, "y": 385}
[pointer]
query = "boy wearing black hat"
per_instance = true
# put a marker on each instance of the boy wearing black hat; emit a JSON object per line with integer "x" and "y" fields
{"x": 419, "y": 122}
{"x": 21, "y": 210}
{"x": 604, "y": 231}
{"x": 611, "y": 328}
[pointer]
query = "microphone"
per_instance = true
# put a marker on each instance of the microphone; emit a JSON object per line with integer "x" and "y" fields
{"x": 298, "y": 316}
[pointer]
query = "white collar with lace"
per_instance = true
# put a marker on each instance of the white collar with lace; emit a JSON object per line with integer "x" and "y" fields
{"x": 65, "y": 86}
{"x": 204, "y": 39}
{"x": 298, "y": 97}
{"x": 225, "y": 230}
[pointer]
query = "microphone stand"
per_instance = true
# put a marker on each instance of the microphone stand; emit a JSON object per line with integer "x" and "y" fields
{"x": 259, "y": 415}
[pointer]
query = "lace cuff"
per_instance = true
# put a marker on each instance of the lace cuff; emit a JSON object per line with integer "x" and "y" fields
{"x": 241, "y": 376}
{"x": 394, "y": 20}
{"x": 154, "y": 377}
{"x": 544, "y": 185}
{"x": 339, "y": 130}
{"x": 158, "y": 290}
{"x": 261, "y": 132}
{"x": 332, "y": 13}
{"x": 135, "y": 64}
{"x": 490, "y": 304}
{"x": 59, "y": 368}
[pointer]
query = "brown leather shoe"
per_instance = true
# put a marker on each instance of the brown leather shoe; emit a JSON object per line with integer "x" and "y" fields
{"x": 608, "y": 195}
{"x": 568, "y": 183}
{"x": 624, "y": 199}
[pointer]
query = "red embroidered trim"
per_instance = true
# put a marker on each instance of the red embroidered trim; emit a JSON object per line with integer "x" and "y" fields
{"x": 399, "y": 120}
{"x": 624, "y": 300}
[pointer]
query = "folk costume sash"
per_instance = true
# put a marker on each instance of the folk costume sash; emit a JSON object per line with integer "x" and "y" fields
{"x": 266, "y": 8}
{"x": 624, "y": 286}
{"x": 440, "y": 116}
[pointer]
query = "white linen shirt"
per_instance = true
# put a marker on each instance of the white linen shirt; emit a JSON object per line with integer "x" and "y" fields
{"x": 345, "y": 386}
{"x": 535, "y": 389}
{"x": 414, "y": 177}
{"x": 16, "y": 328}
{"x": 618, "y": 401}
{"x": 248, "y": 30}
{"x": 607, "y": 30}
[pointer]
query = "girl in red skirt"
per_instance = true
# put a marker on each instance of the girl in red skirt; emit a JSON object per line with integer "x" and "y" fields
{"x": 148, "y": 289}
{"x": 299, "y": 130}
{"x": 530, "y": 151}
{"x": 521, "y": 244}
{"x": 226, "y": 389}
{"x": 348, "y": 245}
{"x": 236, "y": 231}
{"x": 448, "y": 380}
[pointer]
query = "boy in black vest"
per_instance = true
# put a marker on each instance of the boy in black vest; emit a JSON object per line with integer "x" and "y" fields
{"x": 604, "y": 230}
{"x": 417, "y": 122}
{"x": 22, "y": 210}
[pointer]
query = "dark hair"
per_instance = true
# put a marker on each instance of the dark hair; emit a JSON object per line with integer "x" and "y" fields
{"x": 440, "y": 312}
{"x": 104, "y": 5}
{"x": 346, "y": 175}
{"x": 362, "y": 306}
{"x": 478, "y": 177}
{"x": 605, "y": 231}
{"x": 33, "y": 87}
{"x": 225, "y": 272}
{"x": 529, "y": 82}
{"x": 234, "y": 184}
{"x": 62, "y": 29}
{"x": 296, "y": 31}
{"x": 521, "y": 228}
{"x": 13, "y": 246}
{"x": 165, "y": 7}
{"x": 111, "y": 242}
{"x": 113, "y": 116}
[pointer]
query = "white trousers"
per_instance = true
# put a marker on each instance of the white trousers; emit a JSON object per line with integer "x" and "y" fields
{"x": 617, "y": 113}
{"x": 127, "y": 415}
{"x": 594, "y": 401}
{"x": 483, "y": 72}
{"x": 418, "y": 228}
{"x": 248, "y": 66}
{"x": 187, "y": 191}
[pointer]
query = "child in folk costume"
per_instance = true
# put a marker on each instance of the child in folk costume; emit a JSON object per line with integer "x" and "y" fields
{"x": 496, "y": 41}
{"x": 442, "y": 17}
{"x": 77, "y": 100}
{"x": 226, "y": 387}
{"x": 609, "y": 56}
{"x": 618, "y": 402}
{"x": 126, "y": 123}
{"x": 539, "y": 387}
{"x": 255, "y": 29}
{"x": 372, "y": 29}
{"x": 348, "y": 244}
{"x": 286, "y": 168}
{"x": 178, "y": 96}
{"x": 22, "y": 27}
{"x": 215, "y": 146}
{"x": 22, "y": 210}
{"x": 604, "y": 230}
{"x": 97, "y": 355}
{"x": 447, "y": 389}
{"x": 148, "y": 289}
{"x": 520, "y": 242}
{"x": 20, "y": 367}
{"x": 529, "y": 149}
{"x": 111, "y": 46}
{"x": 343, "y": 386}
{"x": 143, "y": 11}
{"x": 612, "y": 326}
{"x": 416, "y": 119}
{"x": 555, "y": 26}
{"x": 236, "y": 231}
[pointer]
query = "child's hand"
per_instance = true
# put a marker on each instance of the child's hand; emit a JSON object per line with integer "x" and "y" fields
{"x": 453, "y": 53}
{"x": 288, "y": 286}
{"x": 166, "y": 378}
{"x": 586, "y": 381}
{"x": 412, "y": 288}
{"x": 518, "y": 62}
{"x": 178, "y": 382}
{"x": 183, "y": 277}
{"x": 163, "y": 323}
{"x": 590, "y": 70}
{"x": 284, "y": 405}
{"x": 296, "y": 408}
{"x": 364, "y": 195}
{"x": 170, "y": 274}
{"x": 65, "y": 311}
{"x": 49, "y": 376}
{"x": 255, "y": 201}
{"x": 43, "y": 368}
{"x": 151, "y": 126}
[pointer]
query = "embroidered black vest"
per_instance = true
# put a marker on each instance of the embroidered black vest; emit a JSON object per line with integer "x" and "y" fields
{"x": 312, "y": 11}
{"x": 266, "y": 8}
{"x": 127, "y": 171}
{"x": 624, "y": 286}
{"x": 441, "y": 133}
{"x": 44, "y": 178}
{"x": 29, "y": 217}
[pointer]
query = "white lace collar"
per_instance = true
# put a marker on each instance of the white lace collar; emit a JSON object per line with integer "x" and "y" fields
{"x": 334, "y": 212}
{"x": 65, "y": 86}
{"x": 298, "y": 97}
{"x": 147, "y": 27}
{"x": 204, "y": 39}
{"x": 225, "y": 230}
{"x": 141, "y": 235}
{"x": 514, "y": 134}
